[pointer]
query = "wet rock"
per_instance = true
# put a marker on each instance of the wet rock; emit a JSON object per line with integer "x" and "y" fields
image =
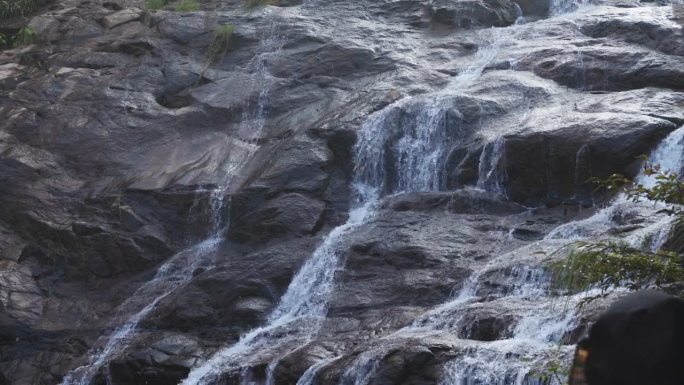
{"x": 607, "y": 68}
{"x": 121, "y": 17}
{"x": 224, "y": 302}
{"x": 638, "y": 26}
{"x": 463, "y": 201}
{"x": 20, "y": 296}
{"x": 526, "y": 234}
{"x": 543, "y": 166}
{"x": 165, "y": 361}
{"x": 473, "y": 14}
{"x": 487, "y": 326}
{"x": 534, "y": 7}
{"x": 408, "y": 366}
{"x": 264, "y": 219}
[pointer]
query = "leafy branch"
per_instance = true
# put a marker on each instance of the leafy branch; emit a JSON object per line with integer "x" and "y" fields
{"x": 607, "y": 264}
{"x": 668, "y": 187}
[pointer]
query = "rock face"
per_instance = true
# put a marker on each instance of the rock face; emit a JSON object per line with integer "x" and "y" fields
{"x": 157, "y": 203}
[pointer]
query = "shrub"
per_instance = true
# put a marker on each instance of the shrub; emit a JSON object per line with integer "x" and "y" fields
{"x": 25, "y": 36}
{"x": 186, "y": 6}
{"x": 608, "y": 264}
{"x": 12, "y": 8}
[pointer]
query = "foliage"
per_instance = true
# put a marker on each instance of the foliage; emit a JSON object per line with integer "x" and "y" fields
{"x": 668, "y": 188}
{"x": 553, "y": 371}
{"x": 186, "y": 6}
{"x": 258, "y": 3}
{"x": 607, "y": 264}
{"x": 155, "y": 4}
{"x": 12, "y": 8}
{"x": 25, "y": 36}
{"x": 219, "y": 46}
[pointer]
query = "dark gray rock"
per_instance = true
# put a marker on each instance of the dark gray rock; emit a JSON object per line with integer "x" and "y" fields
{"x": 473, "y": 14}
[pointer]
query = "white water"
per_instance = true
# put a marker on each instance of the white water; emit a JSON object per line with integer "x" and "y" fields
{"x": 311, "y": 374}
{"x": 668, "y": 155}
{"x": 253, "y": 120}
{"x": 417, "y": 163}
{"x": 489, "y": 176}
{"x": 537, "y": 334}
{"x": 402, "y": 146}
{"x": 304, "y": 302}
{"x": 175, "y": 273}
{"x": 361, "y": 370}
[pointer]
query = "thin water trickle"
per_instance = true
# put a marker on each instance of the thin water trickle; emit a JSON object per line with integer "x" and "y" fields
{"x": 311, "y": 374}
{"x": 492, "y": 159}
{"x": 175, "y": 273}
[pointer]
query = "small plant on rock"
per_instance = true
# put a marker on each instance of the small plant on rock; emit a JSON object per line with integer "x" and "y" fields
{"x": 219, "y": 46}
{"x": 25, "y": 36}
{"x": 553, "y": 371}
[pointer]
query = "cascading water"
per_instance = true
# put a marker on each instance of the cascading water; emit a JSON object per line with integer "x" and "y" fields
{"x": 179, "y": 269}
{"x": 300, "y": 309}
{"x": 489, "y": 177}
{"x": 253, "y": 119}
{"x": 388, "y": 158}
{"x": 543, "y": 319}
{"x": 173, "y": 274}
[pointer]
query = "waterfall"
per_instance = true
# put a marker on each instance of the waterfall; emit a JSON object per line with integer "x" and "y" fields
{"x": 668, "y": 155}
{"x": 402, "y": 147}
{"x": 490, "y": 177}
{"x": 560, "y": 7}
{"x": 408, "y": 155}
{"x": 253, "y": 120}
{"x": 361, "y": 370}
{"x": 175, "y": 273}
{"x": 309, "y": 376}
{"x": 537, "y": 334}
